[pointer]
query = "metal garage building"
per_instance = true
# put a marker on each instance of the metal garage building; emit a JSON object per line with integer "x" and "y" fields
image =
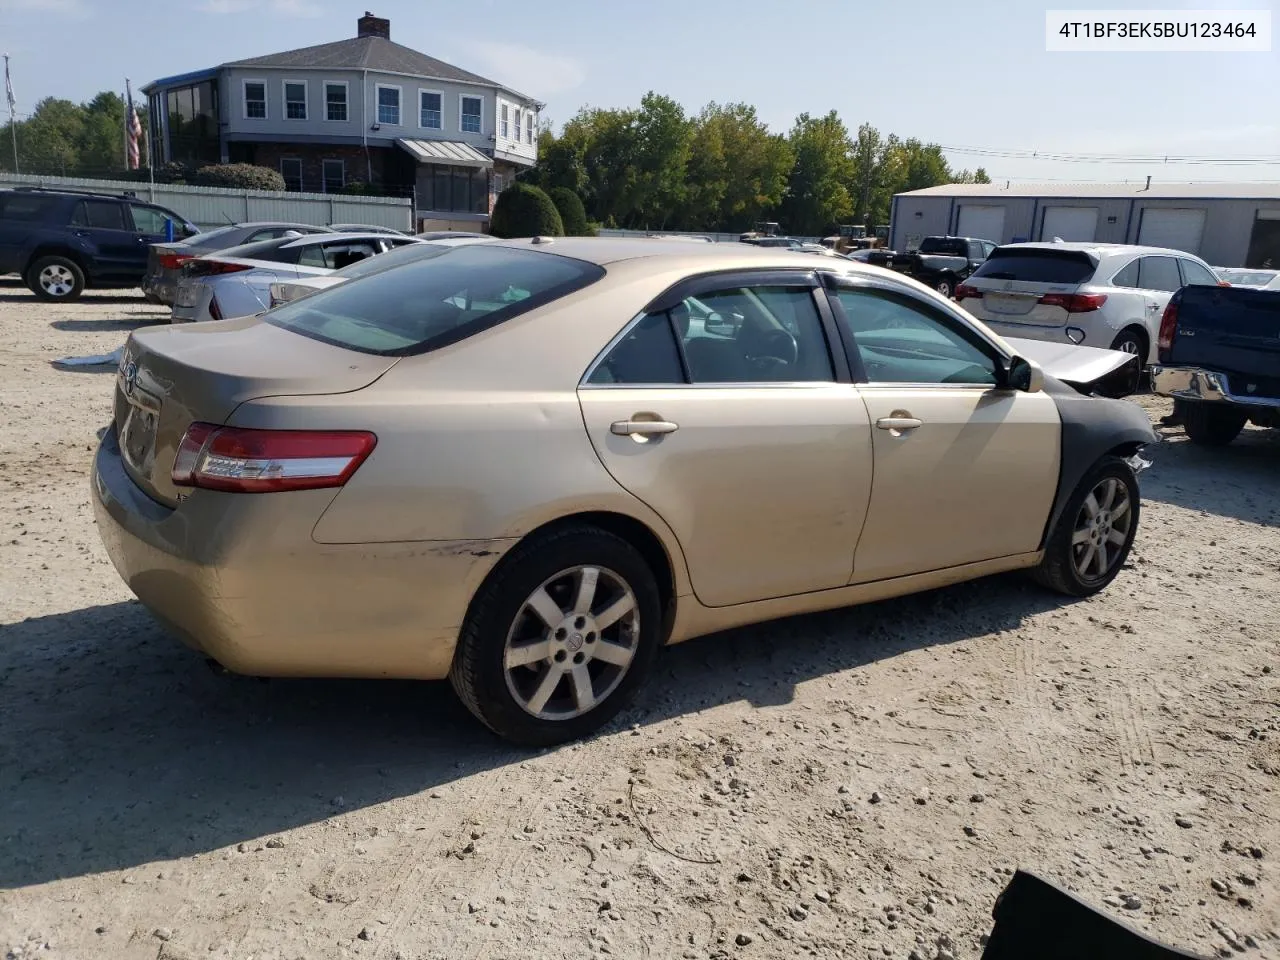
{"x": 1227, "y": 224}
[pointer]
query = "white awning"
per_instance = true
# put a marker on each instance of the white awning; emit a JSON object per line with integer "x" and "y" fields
{"x": 452, "y": 152}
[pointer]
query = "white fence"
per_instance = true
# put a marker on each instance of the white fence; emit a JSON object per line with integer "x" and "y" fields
{"x": 717, "y": 237}
{"x": 217, "y": 206}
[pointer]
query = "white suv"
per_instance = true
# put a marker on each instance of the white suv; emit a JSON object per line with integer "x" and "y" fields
{"x": 1098, "y": 294}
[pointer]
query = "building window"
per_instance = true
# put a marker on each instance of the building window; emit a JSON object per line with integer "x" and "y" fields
{"x": 431, "y": 110}
{"x": 295, "y": 100}
{"x": 472, "y": 107}
{"x": 191, "y": 116}
{"x": 519, "y": 125}
{"x": 389, "y": 105}
{"x": 528, "y": 126}
{"x": 335, "y": 101}
{"x": 497, "y": 184}
{"x": 335, "y": 175}
{"x": 255, "y": 100}
{"x": 454, "y": 189}
{"x": 505, "y": 124}
{"x": 291, "y": 170}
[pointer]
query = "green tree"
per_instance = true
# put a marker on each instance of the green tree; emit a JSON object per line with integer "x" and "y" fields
{"x": 817, "y": 195}
{"x": 736, "y": 169}
{"x": 662, "y": 137}
{"x": 572, "y": 213}
{"x": 523, "y": 210}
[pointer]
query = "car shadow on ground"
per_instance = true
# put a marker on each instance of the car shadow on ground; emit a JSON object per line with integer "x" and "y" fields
{"x": 1241, "y": 480}
{"x": 123, "y": 325}
{"x": 122, "y": 748}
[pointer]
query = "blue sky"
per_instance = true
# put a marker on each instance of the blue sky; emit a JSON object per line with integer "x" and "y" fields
{"x": 956, "y": 73}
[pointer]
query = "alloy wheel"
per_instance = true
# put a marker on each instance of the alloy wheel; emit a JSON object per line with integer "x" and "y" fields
{"x": 56, "y": 280}
{"x": 1102, "y": 529}
{"x": 571, "y": 643}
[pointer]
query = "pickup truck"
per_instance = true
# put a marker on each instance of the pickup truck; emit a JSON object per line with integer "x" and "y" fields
{"x": 940, "y": 262}
{"x": 1219, "y": 358}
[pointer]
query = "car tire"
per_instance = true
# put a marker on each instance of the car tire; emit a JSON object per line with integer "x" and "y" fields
{"x": 1070, "y": 556}
{"x": 1211, "y": 424}
{"x": 946, "y": 286}
{"x": 521, "y": 675}
{"x": 56, "y": 278}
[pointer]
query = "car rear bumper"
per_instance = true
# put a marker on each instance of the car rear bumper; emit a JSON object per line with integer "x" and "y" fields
{"x": 240, "y": 579}
{"x": 162, "y": 289}
{"x": 1201, "y": 385}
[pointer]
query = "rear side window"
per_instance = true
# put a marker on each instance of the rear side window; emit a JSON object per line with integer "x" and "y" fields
{"x": 1159, "y": 273}
{"x": 101, "y": 214}
{"x": 1036, "y": 266}
{"x": 431, "y": 303}
{"x": 25, "y": 207}
{"x": 1128, "y": 277}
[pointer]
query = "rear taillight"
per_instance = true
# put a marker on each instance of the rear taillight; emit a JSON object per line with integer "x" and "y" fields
{"x": 212, "y": 268}
{"x": 240, "y": 460}
{"x": 1168, "y": 329}
{"x": 172, "y": 261}
{"x": 966, "y": 292}
{"x": 1074, "y": 302}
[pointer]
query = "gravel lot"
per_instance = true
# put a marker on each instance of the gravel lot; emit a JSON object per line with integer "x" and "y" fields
{"x": 855, "y": 784}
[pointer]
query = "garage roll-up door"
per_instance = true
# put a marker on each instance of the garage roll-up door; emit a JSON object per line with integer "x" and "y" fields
{"x": 1176, "y": 229}
{"x": 982, "y": 222}
{"x": 1070, "y": 223}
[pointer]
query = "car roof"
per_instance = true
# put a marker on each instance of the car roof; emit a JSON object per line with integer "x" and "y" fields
{"x": 1098, "y": 250}
{"x": 606, "y": 250}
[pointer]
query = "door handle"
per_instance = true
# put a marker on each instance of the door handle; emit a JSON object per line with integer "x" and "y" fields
{"x": 642, "y": 428}
{"x": 898, "y": 423}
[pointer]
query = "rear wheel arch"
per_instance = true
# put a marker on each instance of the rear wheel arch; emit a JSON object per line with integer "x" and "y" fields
{"x": 1138, "y": 332}
{"x": 635, "y": 532}
{"x": 56, "y": 250}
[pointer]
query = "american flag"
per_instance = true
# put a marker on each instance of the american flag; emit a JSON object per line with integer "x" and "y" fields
{"x": 134, "y": 129}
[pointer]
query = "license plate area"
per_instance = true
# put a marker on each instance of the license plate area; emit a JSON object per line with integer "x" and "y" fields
{"x": 1009, "y": 304}
{"x": 138, "y": 433}
{"x": 186, "y": 296}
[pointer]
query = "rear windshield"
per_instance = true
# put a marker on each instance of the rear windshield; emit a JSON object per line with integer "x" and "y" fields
{"x": 210, "y": 237}
{"x": 945, "y": 246}
{"x": 432, "y": 302}
{"x": 1036, "y": 266}
{"x": 1248, "y": 278}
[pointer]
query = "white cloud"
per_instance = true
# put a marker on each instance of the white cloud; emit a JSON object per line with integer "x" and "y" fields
{"x": 296, "y": 8}
{"x": 530, "y": 71}
{"x": 226, "y": 6}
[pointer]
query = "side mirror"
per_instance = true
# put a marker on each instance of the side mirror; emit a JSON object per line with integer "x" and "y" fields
{"x": 1024, "y": 375}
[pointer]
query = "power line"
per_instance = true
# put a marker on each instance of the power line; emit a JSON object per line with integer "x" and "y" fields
{"x": 1109, "y": 157}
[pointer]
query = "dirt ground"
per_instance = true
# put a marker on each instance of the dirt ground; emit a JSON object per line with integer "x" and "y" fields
{"x": 856, "y": 784}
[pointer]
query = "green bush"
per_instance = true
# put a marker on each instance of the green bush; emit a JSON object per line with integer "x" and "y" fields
{"x": 572, "y": 213}
{"x": 241, "y": 176}
{"x": 525, "y": 211}
{"x": 359, "y": 188}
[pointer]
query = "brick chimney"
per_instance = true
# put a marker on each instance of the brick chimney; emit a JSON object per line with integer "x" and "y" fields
{"x": 371, "y": 26}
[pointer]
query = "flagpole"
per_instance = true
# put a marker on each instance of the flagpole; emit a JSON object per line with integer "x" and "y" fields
{"x": 126, "y": 123}
{"x": 13, "y": 122}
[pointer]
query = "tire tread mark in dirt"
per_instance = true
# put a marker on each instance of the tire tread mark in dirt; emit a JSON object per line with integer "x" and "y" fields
{"x": 1131, "y": 734}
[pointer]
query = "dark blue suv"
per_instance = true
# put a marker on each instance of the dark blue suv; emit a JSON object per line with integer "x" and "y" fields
{"x": 62, "y": 241}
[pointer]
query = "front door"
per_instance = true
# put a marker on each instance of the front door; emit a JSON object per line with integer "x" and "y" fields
{"x": 724, "y": 415}
{"x": 964, "y": 471}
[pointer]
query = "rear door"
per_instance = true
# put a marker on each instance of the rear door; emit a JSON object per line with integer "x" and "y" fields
{"x": 723, "y": 411}
{"x": 964, "y": 471}
{"x": 1159, "y": 279}
{"x": 1010, "y": 286}
{"x": 117, "y": 252}
{"x": 149, "y": 226}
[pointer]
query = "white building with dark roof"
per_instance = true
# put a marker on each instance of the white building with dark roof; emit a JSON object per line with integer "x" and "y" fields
{"x": 1227, "y": 224}
{"x": 356, "y": 111}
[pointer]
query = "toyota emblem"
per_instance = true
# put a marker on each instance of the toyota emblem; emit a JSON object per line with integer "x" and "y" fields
{"x": 130, "y": 377}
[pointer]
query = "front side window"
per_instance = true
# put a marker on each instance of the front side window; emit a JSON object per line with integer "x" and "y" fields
{"x": 1159, "y": 273}
{"x": 432, "y": 117}
{"x": 335, "y": 256}
{"x": 291, "y": 170}
{"x": 335, "y": 101}
{"x": 471, "y": 110}
{"x": 900, "y": 340}
{"x": 1192, "y": 272}
{"x": 100, "y": 214}
{"x": 295, "y": 100}
{"x": 389, "y": 105}
{"x": 147, "y": 220}
{"x": 255, "y": 100}
{"x": 429, "y": 303}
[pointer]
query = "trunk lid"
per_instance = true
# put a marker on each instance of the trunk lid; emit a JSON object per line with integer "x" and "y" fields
{"x": 1232, "y": 330}
{"x": 1028, "y": 285}
{"x": 169, "y": 377}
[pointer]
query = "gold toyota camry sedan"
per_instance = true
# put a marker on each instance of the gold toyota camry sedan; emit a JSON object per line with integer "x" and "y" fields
{"x": 527, "y": 465}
